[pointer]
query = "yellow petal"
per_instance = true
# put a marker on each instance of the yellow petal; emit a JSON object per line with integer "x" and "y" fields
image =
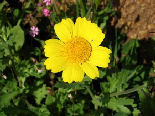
{"x": 89, "y": 31}
{"x": 53, "y": 47}
{"x": 100, "y": 56}
{"x": 73, "y": 73}
{"x": 56, "y": 63}
{"x": 90, "y": 69}
{"x": 64, "y": 29}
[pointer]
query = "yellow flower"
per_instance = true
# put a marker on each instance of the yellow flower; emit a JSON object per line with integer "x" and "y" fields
{"x": 78, "y": 51}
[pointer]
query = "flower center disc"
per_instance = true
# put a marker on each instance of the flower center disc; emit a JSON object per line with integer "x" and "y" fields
{"x": 77, "y": 50}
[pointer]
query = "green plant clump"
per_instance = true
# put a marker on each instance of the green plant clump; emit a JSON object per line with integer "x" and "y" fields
{"x": 125, "y": 88}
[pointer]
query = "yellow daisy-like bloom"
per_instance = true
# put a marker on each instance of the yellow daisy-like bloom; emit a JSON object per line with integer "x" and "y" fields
{"x": 78, "y": 51}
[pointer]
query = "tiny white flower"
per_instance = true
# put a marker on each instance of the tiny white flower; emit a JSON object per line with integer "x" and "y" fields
{"x": 39, "y": 70}
{"x": 4, "y": 76}
{"x": 70, "y": 96}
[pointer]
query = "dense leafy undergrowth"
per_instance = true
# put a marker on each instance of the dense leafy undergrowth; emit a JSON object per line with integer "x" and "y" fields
{"x": 125, "y": 88}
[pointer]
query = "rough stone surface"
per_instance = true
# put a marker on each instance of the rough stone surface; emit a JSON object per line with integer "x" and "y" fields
{"x": 136, "y": 18}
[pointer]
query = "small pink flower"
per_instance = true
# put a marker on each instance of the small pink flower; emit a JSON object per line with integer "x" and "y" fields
{"x": 48, "y": 2}
{"x": 39, "y": 4}
{"x": 34, "y": 31}
{"x": 46, "y": 12}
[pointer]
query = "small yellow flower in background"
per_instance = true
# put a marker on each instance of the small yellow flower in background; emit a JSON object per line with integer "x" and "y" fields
{"x": 78, "y": 51}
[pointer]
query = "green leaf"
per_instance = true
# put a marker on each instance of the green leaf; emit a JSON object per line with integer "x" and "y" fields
{"x": 128, "y": 48}
{"x": 43, "y": 111}
{"x": 17, "y": 111}
{"x": 107, "y": 10}
{"x": 50, "y": 99}
{"x": 23, "y": 68}
{"x": 135, "y": 111}
{"x": 28, "y": 4}
{"x": 118, "y": 105}
{"x": 77, "y": 8}
{"x": 2, "y": 4}
{"x": 83, "y": 12}
{"x": 4, "y": 63}
{"x": 6, "y": 98}
{"x": 113, "y": 83}
{"x": 18, "y": 37}
{"x": 16, "y": 12}
{"x": 88, "y": 13}
{"x": 55, "y": 17}
{"x": 40, "y": 93}
{"x": 97, "y": 2}
{"x": 147, "y": 103}
{"x": 123, "y": 78}
{"x": 2, "y": 113}
{"x": 78, "y": 109}
{"x": 10, "y": 86}
{"x": 102, "y": 73}
{"x": 2, "y": 48}
{"x": 41, "y": 41}
{"x": 129, "y": 52}
{"x": 1, "y": 20}
{"x": 97, "y": 101}
{"x": 36, "y": 51}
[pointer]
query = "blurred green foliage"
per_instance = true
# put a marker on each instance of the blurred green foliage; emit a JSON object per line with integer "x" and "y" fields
{"x": 27, "y": 89}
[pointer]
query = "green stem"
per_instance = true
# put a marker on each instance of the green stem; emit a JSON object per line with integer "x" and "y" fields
{"x": 89, "y": 91}
{"x": 128, "y": 91}
{"x": 12, "y": 60}
{"x": 91, "y": 94}
{"x": 9, "y": 24}
{"x": 77, "y": 8}
{"x": 115, "y": 50}
{"x": 7, "y": 20}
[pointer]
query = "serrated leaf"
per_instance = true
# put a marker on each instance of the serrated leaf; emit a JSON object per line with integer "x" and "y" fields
{"x": 43, "y": 111}
{"x": 11, "y": 86}
{"x": 118, "y": 105}
{"x": 18, "y": 37}
{"x": 78, "y": 109}
{"x": 40, "y": 93}
{"x": 6, "y": 98}
{"x": 49, "y": 100}
{"x": 23, "y": 69}
{"x": 136, "y": 112}
{"x": 3, "y": 63}
{"x": 123, "y": 101}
